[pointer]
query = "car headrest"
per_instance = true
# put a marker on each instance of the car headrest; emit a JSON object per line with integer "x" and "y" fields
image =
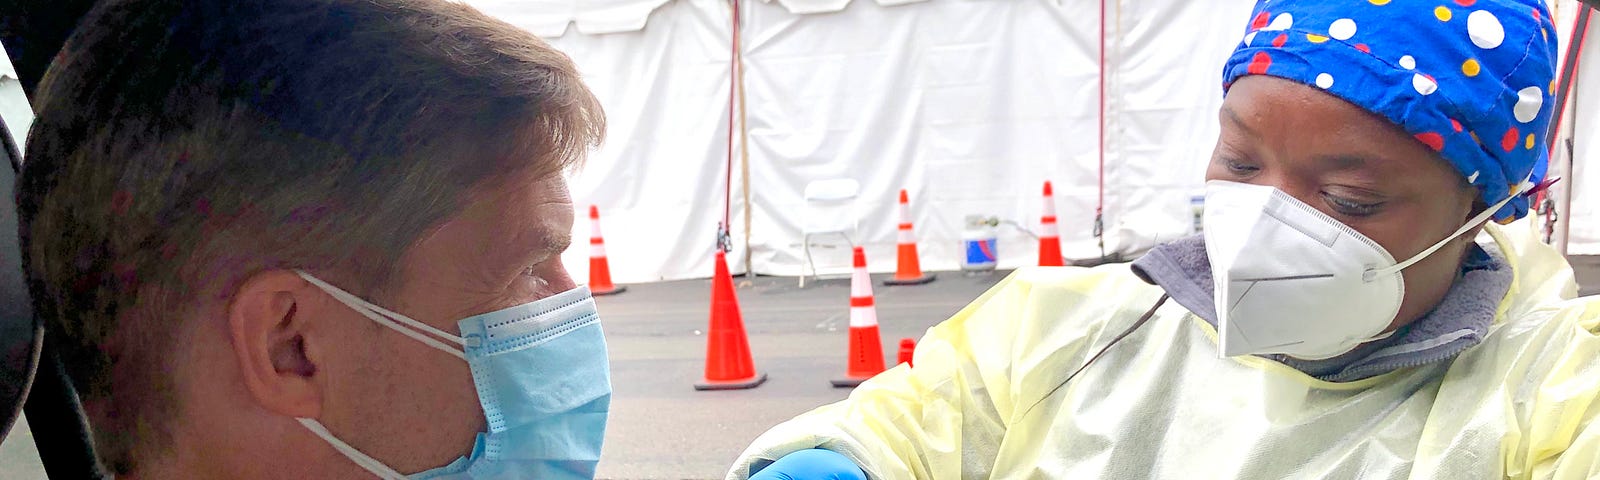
{"x": 20, "y": 335}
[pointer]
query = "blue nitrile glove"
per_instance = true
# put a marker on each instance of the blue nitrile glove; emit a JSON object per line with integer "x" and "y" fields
{"x": 813, "y": 464}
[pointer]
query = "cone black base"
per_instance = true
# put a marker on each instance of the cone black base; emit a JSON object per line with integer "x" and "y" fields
{"x": 615, "y": 290}
{"x": 760, "y": 378}
{"x": 846, "y": 382}
{"x": 923, "y": 280}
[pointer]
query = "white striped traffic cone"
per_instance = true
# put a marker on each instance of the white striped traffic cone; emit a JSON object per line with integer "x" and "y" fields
{"x": 599, "y": 266}
{"x": 909, "y": 271}
{"x": 1049, "y": 233}
{"x": 866, "y": 349}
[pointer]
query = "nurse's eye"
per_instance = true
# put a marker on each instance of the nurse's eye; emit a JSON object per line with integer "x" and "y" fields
{"x": 1353, "y": 208}
{"x": 1241, "y": 169}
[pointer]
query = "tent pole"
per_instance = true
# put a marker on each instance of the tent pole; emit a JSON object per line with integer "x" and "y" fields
{"x": 725, "y": 228}
{"x": 744, "y": 152}
{"x": 1567, "y": 87}
{"x": 1100, "y": 205}
{"x": 1569, "y": 72}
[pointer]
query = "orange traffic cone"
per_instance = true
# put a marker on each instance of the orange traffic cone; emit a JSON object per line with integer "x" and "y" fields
{"x": 866, "y": 350}
{"x": 599, "y": 267}
{"x": 728, "y": 362}
{"x": 910, "y": 270}
{"x": 908, "y": 348}
{"x": 1049, "y": 233}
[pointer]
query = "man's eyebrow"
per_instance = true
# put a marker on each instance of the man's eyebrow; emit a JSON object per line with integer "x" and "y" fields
{"x": 550, "y": 241}
{"x": 1239, "y": 122}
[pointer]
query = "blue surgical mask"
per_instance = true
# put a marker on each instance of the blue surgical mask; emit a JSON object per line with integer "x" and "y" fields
{"x": 542, "y": 377}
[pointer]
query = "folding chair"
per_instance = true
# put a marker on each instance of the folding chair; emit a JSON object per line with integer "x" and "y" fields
{"x": 830, "y": 210}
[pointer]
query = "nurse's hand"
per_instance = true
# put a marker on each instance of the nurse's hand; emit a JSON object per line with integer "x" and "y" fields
{"x": 814, "y": 464}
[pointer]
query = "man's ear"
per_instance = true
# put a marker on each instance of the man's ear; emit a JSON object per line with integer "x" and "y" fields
{"x": 267, "y": 325}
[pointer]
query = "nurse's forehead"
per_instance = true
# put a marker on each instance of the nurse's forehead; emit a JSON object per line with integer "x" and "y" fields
{"x": 1269, "y": 104}
{"x": 1322, "y": 129}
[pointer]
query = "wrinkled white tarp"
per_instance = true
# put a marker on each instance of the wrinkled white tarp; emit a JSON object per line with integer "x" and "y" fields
{"x": 13, "y": 104}
{"x": 828, "y": 6}
{"x": 1582, "y": 126}
{"x": 550, "y": 18}
{"x": 659, "y": 179}
{"x": 969, "y": 105}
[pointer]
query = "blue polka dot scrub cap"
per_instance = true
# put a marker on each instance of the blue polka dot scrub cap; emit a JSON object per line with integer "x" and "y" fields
{"x": 1471, "y": 79}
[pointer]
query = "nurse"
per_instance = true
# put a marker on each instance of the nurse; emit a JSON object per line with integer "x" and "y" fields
{"x": 1338, "y": 319}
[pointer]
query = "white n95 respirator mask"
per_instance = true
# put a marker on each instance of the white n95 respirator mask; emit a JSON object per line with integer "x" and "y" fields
{"x": 1292, "y": 280}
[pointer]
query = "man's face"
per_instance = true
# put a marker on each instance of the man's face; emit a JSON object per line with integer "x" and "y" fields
{"x": 1353, "y": 166}
{"x": 415, "y": 407}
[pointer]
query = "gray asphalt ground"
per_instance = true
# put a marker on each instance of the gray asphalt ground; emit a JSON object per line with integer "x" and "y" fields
{"x": 661, "y": 428}
{"x": 1588, "y": 270}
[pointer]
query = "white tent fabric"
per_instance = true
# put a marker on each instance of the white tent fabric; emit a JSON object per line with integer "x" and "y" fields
{"x": 968, "y": 105}
{"x": 550, "y": 18}
{"x": 1165, "y": 59}
{"x": 13, "y": 104}
{"x": 829, "y": 6}
{"x": 1581, "y": 126}
{"x": 1583, "y": 234}
{"x": 659, "y": 179}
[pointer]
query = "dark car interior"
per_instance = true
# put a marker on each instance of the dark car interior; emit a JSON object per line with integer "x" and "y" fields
{"x": 32, "y": 381}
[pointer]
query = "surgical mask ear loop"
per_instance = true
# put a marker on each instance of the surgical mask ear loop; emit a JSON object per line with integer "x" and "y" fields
{"x": 1372, "y": 274}
{"x": 400, "y": 323}
{"x": 360, "y": 459}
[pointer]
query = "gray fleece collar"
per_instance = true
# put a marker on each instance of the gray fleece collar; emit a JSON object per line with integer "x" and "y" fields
{"x": 1460, "y": 321}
